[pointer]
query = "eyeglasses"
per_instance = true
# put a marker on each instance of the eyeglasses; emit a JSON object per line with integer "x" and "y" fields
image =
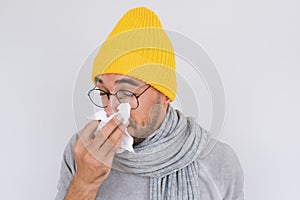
{"x": 101, "y": 98}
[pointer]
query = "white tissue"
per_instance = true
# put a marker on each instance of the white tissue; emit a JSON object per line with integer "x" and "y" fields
{"x": 124, "y": 110}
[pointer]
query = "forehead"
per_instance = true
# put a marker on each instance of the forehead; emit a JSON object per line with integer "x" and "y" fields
{"x": 115, "y": 79}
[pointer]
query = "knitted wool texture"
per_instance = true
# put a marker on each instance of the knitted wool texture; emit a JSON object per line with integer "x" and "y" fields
{"x": 139, "y": 47}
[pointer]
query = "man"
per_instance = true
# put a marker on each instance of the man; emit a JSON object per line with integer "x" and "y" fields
{"x": 136, "y": 65}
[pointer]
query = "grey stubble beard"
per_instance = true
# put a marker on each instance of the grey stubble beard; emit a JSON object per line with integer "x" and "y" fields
{"x": 140, "y": 132}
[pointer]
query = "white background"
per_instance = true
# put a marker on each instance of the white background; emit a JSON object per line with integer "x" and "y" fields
{"x": 255, "y": 46}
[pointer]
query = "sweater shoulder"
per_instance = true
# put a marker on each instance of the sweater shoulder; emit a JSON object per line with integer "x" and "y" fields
{"x": 220, "y": 153}
{"x": 222, "y": 168}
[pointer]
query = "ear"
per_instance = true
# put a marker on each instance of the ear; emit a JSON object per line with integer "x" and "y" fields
{"x": 167, "y": 100}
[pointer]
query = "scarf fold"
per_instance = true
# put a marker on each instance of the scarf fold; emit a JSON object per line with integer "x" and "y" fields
{"x": 169, "y": 157}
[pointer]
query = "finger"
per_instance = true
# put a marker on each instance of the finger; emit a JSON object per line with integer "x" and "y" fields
{"x": 116, "y": 135}
{"x": 106, "y": 152}
{"x": 107, "y": 130}
{"x": 97, "y": 143}
{"x": 87, "y": 133}
{"x": 78, "y": 147}
{"x": 112, "y": 151}
{"x": 114, "y": 140}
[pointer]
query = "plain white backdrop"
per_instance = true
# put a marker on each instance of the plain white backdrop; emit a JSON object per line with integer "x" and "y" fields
{"x": 254, "y": 44}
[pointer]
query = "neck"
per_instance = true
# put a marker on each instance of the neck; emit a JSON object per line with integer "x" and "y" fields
{"x": 137, "y": 141}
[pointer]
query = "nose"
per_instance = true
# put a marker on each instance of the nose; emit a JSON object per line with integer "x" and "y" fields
{"x": 112, "y": 105}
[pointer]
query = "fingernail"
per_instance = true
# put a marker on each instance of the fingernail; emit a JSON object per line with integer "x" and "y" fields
{"x": 119, "y": 118}
{"x": 126, "y": 124}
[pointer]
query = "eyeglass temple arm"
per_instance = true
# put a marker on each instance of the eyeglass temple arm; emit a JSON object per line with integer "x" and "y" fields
{"x": 143, "y": 92}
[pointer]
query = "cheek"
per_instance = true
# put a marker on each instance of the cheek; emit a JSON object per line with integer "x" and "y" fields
{"x": 140, "y": 115}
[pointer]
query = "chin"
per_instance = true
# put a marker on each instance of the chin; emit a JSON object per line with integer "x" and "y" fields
{"x": 130, "y": 131}
{"x": 135, "y": 134}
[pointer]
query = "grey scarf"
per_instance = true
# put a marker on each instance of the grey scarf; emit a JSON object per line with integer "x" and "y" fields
{"x": 169, "y": 158}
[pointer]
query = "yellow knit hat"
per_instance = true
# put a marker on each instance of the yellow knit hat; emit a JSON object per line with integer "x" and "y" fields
{"x": 139, "y": 47}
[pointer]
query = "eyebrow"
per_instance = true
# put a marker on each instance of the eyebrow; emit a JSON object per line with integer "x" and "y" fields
{"x": 123, "y": 80}
{"x": 128, "y": 81}
{"x": 98, "y": 80}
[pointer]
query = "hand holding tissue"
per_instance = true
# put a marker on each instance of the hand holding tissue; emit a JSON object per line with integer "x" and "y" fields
{"x": 124, "y": 110}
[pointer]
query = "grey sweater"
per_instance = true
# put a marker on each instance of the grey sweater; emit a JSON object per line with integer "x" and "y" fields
{"x": 220, "y": 178}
